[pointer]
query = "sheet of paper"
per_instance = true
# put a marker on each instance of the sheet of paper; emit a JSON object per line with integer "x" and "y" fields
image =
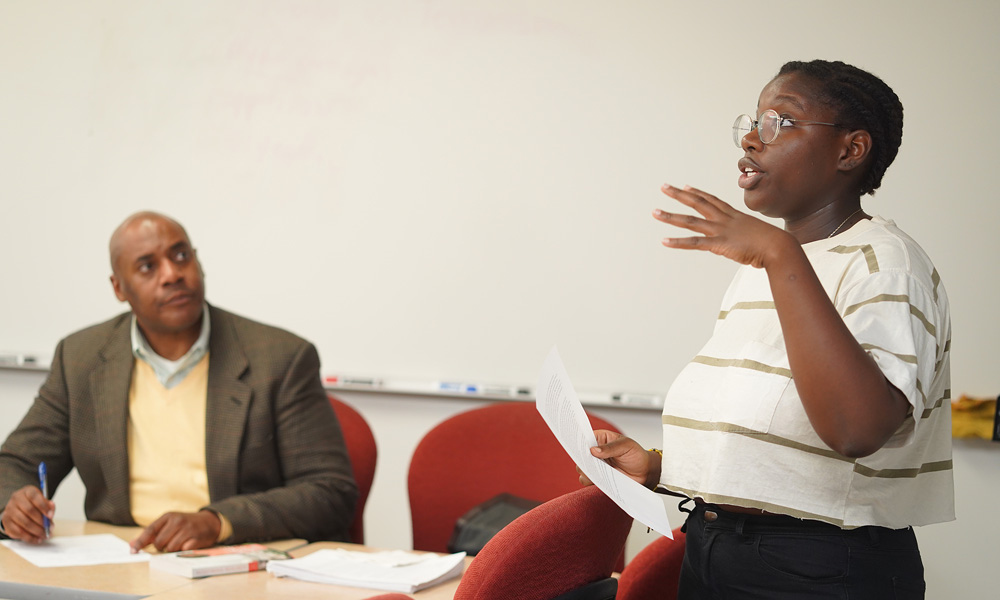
{"x": 561, "y": 409}
{"x": 77, "y": 550}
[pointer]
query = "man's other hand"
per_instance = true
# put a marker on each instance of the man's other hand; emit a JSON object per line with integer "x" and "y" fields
{"x": 176, "y": 531}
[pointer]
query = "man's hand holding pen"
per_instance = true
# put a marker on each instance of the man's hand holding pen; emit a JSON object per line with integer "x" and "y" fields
{"x": 24, "y": 517}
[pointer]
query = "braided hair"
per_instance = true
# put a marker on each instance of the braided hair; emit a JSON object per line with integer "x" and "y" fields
{"x": 863, "y": 101}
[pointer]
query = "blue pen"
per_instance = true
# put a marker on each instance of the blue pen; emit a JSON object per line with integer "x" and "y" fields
{"x": 43, "y": 482}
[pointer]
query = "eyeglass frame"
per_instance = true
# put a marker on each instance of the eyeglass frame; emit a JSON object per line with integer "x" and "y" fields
{"x": 755, "y": 124}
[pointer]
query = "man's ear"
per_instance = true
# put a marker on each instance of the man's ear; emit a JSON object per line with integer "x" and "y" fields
{"x": 201, "y": 271}
{"x": 117, "y": 287}
{"x": 856, "y": 150}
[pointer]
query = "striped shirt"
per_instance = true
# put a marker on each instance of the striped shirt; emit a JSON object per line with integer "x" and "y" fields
{"x": 735, "y": 430}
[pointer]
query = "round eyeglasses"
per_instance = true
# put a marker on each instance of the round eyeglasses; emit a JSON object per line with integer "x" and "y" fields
{"x": 768, "y": 126}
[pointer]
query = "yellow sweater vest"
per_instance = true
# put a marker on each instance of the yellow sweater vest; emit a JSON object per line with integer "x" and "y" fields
{"x": 166, "y": 444}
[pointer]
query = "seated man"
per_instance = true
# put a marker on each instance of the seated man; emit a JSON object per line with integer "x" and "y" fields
{"x": 199, "y": 425}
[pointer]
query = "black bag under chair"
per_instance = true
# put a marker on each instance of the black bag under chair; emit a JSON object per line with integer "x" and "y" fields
{"x": 482, "y": 522}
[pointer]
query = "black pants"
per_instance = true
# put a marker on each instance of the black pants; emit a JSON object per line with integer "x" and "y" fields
{"x": 735, "y": 556}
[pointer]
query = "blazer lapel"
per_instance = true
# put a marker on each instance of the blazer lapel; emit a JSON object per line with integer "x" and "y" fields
{"x": 109, "y": 384}
{"x": 228, "y": 405}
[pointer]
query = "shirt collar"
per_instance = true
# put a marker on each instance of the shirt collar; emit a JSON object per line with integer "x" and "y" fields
{"x": 171, "y": 372}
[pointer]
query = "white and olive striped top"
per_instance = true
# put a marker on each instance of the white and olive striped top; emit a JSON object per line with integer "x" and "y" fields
{"x": 735, "y": 431}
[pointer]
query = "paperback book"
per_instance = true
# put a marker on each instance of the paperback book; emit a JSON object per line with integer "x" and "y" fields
{"x": 220, "y": 560}
{"x": 394, "y": 570}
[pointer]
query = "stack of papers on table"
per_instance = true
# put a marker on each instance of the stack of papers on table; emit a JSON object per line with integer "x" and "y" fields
{"x": 393, "y": 570}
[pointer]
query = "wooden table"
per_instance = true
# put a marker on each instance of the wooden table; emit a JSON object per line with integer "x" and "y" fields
{"x": 258, "y": 586}
{"x": 19, "y": 579}
{"x": 134, "y": 579}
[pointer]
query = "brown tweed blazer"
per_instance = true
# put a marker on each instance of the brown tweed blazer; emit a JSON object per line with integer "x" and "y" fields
{"x": 276, "y": 460}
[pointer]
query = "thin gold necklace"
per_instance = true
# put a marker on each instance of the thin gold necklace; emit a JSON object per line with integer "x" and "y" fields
{"x": 843, "y": 223}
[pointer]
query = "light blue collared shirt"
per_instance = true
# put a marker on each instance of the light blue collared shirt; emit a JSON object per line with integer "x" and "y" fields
{"x": 171, "y": 372}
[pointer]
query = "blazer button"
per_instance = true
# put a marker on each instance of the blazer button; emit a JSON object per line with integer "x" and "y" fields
{"x": 711, "y": 516}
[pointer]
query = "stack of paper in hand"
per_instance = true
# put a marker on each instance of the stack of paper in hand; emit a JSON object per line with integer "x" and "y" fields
{"x": 394, "y": 570}
{"x": 220, "y": 560}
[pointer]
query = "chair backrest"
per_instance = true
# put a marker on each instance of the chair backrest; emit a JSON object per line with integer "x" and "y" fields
{"x": 655, "y": 571}
{"x": 475, "y": 455}
{"x": 558, "y": 547}
{"x": 363, "y": 454}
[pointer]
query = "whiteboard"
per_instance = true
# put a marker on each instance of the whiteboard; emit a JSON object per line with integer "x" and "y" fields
{"x": 445, "y": 189}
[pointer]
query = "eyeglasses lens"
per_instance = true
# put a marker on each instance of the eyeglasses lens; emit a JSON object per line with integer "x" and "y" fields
{"x": 742, "y": 126}
{"x": 768, "y": 126}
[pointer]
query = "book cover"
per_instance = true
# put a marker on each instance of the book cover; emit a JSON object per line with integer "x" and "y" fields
{"x": 221, "y": 560}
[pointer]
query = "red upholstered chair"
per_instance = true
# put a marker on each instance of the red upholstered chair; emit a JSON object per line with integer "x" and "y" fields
{"x": 478, "y": 454}
{"x": 363, "y": 454}
{"x": 565, "y": 548}
{"x": 655, "y": 571}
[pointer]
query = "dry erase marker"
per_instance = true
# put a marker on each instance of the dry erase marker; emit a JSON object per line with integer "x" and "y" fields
{"x": 360, "y": 381}
{"x": 43, "y": 483}
{"x": 496, "y": 390}
{"x": 367, "y": 381}
{"x": 452, "y": 386}
{"x": 18, "y": 360}
{"x": 637, "y": 399}
{"x": 459, "y": 388}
